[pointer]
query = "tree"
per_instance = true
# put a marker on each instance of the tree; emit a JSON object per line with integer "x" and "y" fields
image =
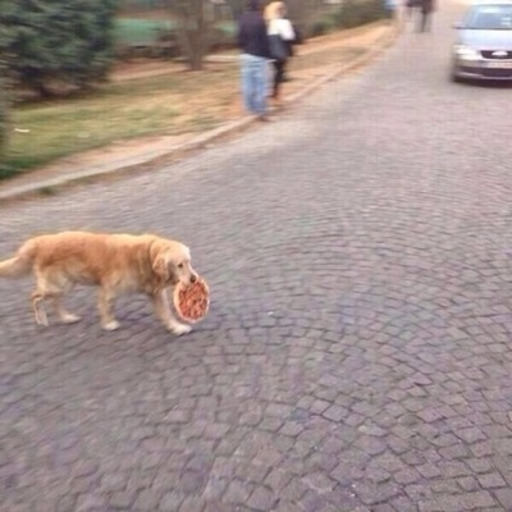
{"x": 195, "y": 28}
{"x": 304, "y": 13}
{"x": 66, "y": 40}
{"x": 237, "y": 7}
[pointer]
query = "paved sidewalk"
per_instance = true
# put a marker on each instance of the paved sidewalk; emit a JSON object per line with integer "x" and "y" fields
{"x": 73, "y": 170}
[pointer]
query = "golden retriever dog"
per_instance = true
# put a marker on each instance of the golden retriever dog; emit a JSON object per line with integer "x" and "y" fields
{"x": 118, "y": 264}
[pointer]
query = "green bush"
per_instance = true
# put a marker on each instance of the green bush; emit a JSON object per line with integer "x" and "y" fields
{"x": 137, "y": 31}
{"x": 139, "y": 37}
{"x": 4, "y": 97}
{"x": 65, "y": 40}
{"x": 223, "y": 36}
{"x": 159, "y": 38}
{"x": 351, "y": 14}
{"x": 3, "y": 118}
{"x": 322, "y": 27}
{"x": 141, "y": 5}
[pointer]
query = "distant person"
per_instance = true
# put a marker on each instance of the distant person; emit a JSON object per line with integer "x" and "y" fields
{"x": 254, "y": 44}
{"x": 281, "y": 36}
{"x": 409, "y": 7}
{"x": 425, "y": 7}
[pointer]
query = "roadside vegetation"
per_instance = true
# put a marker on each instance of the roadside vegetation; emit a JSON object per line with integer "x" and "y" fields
{"x": 84, "y": 95}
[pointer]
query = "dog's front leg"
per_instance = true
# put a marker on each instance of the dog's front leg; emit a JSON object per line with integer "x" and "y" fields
{"x": 105, "y": 298}
{"x": 163, "y": 311}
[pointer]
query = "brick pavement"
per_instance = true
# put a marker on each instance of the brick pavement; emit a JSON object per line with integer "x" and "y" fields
{"x": 356, "y": 355}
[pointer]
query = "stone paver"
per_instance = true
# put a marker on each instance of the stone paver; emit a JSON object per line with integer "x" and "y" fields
{"x": 356, "y": 357}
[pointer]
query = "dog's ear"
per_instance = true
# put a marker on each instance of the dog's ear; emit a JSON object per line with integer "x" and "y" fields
{"x": 163, "y": 268}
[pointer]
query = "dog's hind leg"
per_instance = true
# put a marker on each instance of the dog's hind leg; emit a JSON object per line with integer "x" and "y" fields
{"x": 37, "y": 300}
{"x": 38, "y": 295}
{"x": 108, "y": 320}
{"x": 50, "y": 286}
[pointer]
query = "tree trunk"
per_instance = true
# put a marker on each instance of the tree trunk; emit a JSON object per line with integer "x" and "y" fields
{"x": 195, "y": 25}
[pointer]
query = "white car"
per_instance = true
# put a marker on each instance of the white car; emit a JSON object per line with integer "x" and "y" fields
{"x": 483, "y": 49}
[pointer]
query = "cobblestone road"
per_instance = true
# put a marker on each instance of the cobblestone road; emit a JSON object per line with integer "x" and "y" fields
{"x": 356, "y": 357}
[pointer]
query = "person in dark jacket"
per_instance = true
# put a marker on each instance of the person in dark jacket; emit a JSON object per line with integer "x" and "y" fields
{"x": 254, "y": 45}
{"x": 426, "y": 7}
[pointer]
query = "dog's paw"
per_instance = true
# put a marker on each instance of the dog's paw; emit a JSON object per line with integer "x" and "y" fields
{"x": 41, "y": 318}
{"x": 180, "y": 329}
{"x": 43, "y": 322}
{"x": 69, "y": 318}
{"x": 111, "y": 326}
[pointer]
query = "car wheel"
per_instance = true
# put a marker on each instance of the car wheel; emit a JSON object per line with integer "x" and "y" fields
{"x": 455, "y": 78}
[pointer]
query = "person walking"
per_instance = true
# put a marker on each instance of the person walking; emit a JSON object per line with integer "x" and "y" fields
{"x": 426, "y": 7}
{"x": 281, "y": 36}
{"x": 254, "y": 44}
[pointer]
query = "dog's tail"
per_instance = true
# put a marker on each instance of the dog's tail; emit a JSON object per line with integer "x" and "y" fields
{"x": 21, "y": 264}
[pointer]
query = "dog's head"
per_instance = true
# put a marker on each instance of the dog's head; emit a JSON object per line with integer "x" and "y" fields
{"x": 171, "y": 262}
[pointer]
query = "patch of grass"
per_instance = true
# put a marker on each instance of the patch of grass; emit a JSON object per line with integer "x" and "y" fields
{"x": 140, "y": 31}
{"x": 135, "y": 31}
{"x": 172, "y": 103}
{"x": 48, "y": 191}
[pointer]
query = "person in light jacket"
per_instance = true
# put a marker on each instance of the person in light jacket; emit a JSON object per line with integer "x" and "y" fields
{"x": 279, "y": 25}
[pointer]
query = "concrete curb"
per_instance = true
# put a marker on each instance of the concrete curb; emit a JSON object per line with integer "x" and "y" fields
{"x": 149, "y": 160}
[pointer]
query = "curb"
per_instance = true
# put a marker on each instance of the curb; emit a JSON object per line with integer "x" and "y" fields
{"x": 50, "y": 186}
